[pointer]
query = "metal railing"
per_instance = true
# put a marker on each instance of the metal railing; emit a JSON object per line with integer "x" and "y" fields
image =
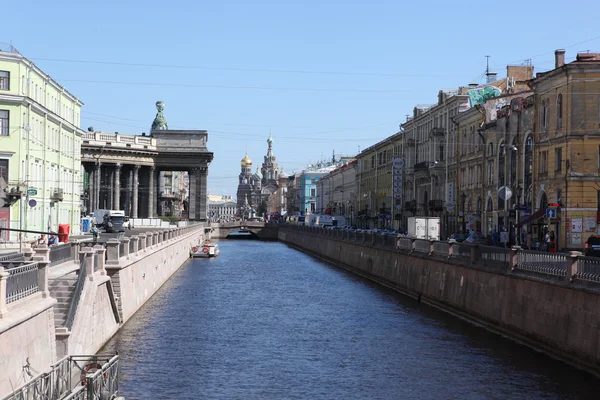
{"x": 77, "y": 293}
{"x": 544, "y": 263}
{"x": 69, "y": 379}
{"x": 461, "y": 251}
{"x": 22, "y": 282}
{"x": 588, "y": 269}
{"x": 60, "y": 254}
{"x": 441, "y": 248}
{"x": 12, "y": 257}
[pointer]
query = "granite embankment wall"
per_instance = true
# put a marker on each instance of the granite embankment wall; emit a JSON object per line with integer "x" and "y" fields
{"x": 549, "y": 315}
{"x": 119, "y": 277}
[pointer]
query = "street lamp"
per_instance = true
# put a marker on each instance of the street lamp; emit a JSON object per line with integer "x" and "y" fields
{"x": 463, "y": 198}
{"x": 518, "y": 192}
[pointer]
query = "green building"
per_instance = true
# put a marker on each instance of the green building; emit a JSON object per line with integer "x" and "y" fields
{"x": 40, "y": 147}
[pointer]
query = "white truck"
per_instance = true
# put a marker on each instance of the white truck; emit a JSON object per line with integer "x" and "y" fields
{"x": 110, "y": 220}
{"x": 424, "y": 227}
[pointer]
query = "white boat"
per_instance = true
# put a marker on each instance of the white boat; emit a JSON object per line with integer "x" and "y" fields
{"x": 205, "y": 250}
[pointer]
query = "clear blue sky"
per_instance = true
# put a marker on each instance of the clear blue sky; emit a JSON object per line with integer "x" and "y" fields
{"x": 320, "y": 75}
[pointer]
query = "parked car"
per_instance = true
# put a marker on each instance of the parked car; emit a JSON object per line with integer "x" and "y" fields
{"x": 592, "y": 246}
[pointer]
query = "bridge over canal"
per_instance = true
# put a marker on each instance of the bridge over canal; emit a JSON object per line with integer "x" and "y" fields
{"x": 257, "y": 230}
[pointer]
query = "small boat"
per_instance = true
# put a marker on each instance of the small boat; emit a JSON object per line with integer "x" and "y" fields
{"x": 207, "y": 249}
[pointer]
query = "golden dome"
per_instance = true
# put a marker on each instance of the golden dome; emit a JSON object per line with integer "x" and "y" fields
{"x": 246, "y": 161}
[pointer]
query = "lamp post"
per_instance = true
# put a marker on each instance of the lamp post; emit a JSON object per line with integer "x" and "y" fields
{"x": 518, "y": 192}
{"x": 463, "y": 198}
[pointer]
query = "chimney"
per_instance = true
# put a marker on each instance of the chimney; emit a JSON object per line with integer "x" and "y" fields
{"x": 491, "y": 77}
{"x": 559, "y": 58}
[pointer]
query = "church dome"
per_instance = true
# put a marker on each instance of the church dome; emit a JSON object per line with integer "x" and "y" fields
{"x": 257, "y": 175}
{"x": 246, "y": 161}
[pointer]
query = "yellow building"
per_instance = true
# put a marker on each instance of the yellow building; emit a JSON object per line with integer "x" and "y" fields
{"x": 567, "y": 146}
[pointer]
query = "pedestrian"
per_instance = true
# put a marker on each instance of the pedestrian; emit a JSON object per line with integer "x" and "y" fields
{"x": 52, "y": 240}
{"x": 95, "y": 232}
{"x": 528, "y": 240}
{"x": 42, "y": 240}
{"x": 547, "y": 240}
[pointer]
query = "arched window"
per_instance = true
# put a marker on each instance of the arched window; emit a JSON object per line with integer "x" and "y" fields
{"x": 490, "y": 150}
{"x": 559, "y": 111}
{"x": 472, "y": 144}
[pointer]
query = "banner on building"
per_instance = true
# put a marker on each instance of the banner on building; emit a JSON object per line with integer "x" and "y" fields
{"x": 397, "y": 177}
{"x": 481, "y": 94}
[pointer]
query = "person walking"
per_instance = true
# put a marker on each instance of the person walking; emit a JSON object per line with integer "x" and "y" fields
{"x": 95, "y": 232}
{"x": 547, "y": 240}
{"x": 528, "y": 241}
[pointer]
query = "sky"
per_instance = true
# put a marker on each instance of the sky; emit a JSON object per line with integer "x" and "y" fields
{"x": 320, "y": 76}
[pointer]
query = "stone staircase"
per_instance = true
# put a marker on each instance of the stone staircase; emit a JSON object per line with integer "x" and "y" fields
{"x": 62, "y": 289}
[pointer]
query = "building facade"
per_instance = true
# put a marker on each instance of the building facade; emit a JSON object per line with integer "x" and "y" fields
{"x": 567, "y": 147}
{"x": 40, "y": 142}
{"x": 336, "y": 192}
{"x": 221, "y": 208}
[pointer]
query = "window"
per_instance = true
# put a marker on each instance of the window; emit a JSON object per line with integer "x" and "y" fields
{"x": 558, "y": 159}
{"x": 558, "y": 195}
{"x": 490, "y": 173}
{"x": 4, "y": 169}
{"x": 544, "y": 115}
{"x": 544, "y": 162}
{"x": 559, "y": 111}
{"x": 441, "y": 155}
{"x": 4, "y": 80}
{"x": 4, "y": 122}
{"x": 313, "y": 192}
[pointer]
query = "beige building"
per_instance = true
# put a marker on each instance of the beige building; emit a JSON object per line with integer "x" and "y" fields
{"x": 374, "y": 205}
{"x": 567, "y": 147}
{"x": 336, "y": 192}
{"x": 277, "y": 201}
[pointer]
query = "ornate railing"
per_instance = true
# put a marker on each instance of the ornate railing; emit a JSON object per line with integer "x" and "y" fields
{"x": 22, "y": 282}
{"x": 441, "y": 248}
{"x": 494, "y": 255}
{"x": 422, "y": 245}
{"x": 12, "y": 257}
{"x": 60, "y": 254}
{"x": 541, "y": 262}
{"x": 588, "y": 269}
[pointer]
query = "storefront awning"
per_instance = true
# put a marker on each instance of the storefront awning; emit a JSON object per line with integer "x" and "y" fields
{"x": 532, "y": 217}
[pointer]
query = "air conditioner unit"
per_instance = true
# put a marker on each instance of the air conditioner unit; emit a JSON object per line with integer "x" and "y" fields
{"x": 57, "y": 195}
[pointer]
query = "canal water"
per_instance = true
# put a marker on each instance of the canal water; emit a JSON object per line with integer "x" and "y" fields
{"x": 263, "y": 321}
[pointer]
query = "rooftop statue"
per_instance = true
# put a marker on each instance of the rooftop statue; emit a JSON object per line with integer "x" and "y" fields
{"x": 160, "y": 123}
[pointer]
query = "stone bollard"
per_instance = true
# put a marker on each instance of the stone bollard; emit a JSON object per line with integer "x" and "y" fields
{"x": 474, "y": 251}
{"x": 142, "y": 242}
{"x": 451, "y": 243}
{"x": 135, "y": 246}
{"x": 412, "y": 244}
{"x": 513, "y": 258}
{"x": 87, "y": 254}
{"x": 27, "y": 252}
{"x": 3, "y": 278}
{"x": 149, "y": 237}
{"x": 42, "y": 257}
{"x": 101, "y": 258}
{"x": 126, "y": 241}
{"x": 573, "y": 265}
{"x": 155, "y": 240}
{"x": 75, "y": 250}
{"x": 431, "y": 246}
{"x": 112, "y": 251}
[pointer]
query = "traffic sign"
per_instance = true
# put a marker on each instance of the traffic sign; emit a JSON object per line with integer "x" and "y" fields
{"x": 31, "y": 192}
{"x": 32, "y": 203}
{"x": 551, "y": 213}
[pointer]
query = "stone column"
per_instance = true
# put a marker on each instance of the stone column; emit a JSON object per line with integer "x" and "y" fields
{"x": 42, "y": 257}
{"x": 151, "y": 195}
{"x": 117, "y": 187}
{"x": 192, "y": 175}
{"x": 87, "y": 253}
{"x": 142, "y": 242}
{"x": 111, "y": 176}
{"x": 127, "y": 205}
{"x": 112, "y": 250}
{"x": 97, "y": 184}
{"x": 3, "y": 278}
{"x": 202, "y": 193}
{"x": 101, "y": 259}
{"x": 91, "y": 190}
{"x": 125, "y": 254}
{"x": 136, "y": 183}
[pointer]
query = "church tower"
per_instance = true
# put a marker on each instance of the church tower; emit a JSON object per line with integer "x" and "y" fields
{"x": 270, "y": 170}
{"x": 245, "y": 183}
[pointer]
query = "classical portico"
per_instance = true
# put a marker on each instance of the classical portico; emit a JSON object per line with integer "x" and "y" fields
{"x": 122, "y": 171}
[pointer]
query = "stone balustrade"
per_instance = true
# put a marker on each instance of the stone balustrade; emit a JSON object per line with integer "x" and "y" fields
{"x": 570, "y": 267}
